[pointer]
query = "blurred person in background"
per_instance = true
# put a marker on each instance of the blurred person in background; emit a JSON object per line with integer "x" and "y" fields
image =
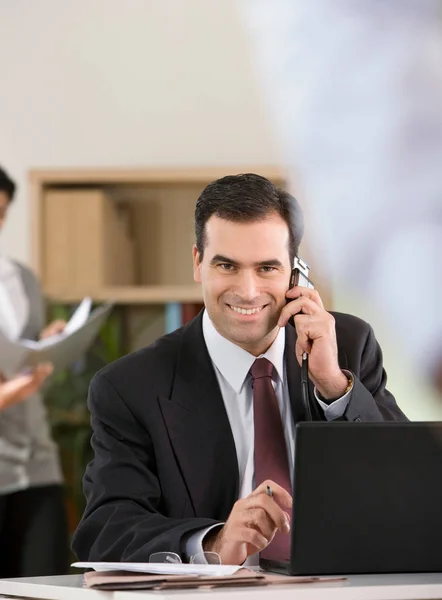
{"x": 355, "y": 90}
{"x": 33, "y": 527}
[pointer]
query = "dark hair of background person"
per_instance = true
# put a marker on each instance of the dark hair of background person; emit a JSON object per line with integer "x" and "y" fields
{"x": 246, "y": 198}
{"x": 6, "y": 184}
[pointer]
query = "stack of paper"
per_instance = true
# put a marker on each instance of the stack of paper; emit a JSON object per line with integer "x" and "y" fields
{"x": 62, "y": 349}
{"x": 169, "y": 576}
{"x": 161, "y": 568}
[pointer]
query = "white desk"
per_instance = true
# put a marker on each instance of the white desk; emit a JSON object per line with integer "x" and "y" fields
{"x": 358, "y": 587}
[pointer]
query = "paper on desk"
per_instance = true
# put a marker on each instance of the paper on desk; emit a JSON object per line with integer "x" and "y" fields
{"x": 160, "y": 568}
{"x": 123, "y": 580}
{"x": 61, "y": 350}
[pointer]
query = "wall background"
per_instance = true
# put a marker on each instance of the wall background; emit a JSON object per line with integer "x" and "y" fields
{"x": 139, "y": 83}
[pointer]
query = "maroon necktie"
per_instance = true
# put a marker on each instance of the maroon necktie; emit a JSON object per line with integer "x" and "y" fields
{"x": 271, "y": 460}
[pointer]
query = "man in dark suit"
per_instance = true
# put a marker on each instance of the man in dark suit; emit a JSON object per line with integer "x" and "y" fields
{"x": 184, "y": 447}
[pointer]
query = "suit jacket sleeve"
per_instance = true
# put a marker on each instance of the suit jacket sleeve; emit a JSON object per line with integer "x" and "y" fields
{"x": 370, "y": 400}
{"x": 123, "y": 520}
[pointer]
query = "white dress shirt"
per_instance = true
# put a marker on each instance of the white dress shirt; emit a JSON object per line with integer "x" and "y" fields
{"x": 232, "y": 365}
{"x": 14, "y": 304}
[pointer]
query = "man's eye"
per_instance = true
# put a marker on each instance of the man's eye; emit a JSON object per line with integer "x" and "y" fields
{"x": 267, "y": 269}
{"x": 225, "y": 266}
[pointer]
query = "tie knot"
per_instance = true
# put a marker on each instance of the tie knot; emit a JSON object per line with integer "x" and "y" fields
{"x": 261, "y": 368}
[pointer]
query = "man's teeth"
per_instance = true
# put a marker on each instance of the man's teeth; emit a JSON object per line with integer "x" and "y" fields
{"x": 246, "y": 311}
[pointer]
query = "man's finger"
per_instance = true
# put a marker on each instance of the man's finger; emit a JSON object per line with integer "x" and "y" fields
{"x": 272, "y": 510}
{"x": 299, "y": 291}
{"x": 299, "y": 350}
{"x": 251, "y": 536}
{"x": 258, "y": 519}
{"x": 308, "y": 328}
{"x": 302, "y": 304}
{"x": 278, "y": 493}
{"x": 303, "y": 344}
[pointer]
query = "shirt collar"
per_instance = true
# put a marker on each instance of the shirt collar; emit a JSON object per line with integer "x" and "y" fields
{"x": 234, "y": 362}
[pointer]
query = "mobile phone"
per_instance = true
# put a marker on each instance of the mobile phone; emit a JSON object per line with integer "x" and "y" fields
{"x": 299, "y": 274}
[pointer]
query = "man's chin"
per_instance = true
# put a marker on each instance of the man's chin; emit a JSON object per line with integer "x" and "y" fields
{"x": 248, "y": 339}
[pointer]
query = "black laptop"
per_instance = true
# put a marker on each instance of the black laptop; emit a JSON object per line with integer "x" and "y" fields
{"x": 367, "y": 499}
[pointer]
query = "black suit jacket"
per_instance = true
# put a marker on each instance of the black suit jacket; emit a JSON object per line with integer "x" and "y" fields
{"x": 165, "y": 461}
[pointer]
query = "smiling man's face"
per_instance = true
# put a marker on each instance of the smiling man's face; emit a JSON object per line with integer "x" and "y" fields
{"x": 245, "y": 274}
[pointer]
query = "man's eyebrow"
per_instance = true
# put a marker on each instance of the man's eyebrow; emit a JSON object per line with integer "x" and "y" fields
{"x": 219, "y": 258}
{"x": 273, "y": 262}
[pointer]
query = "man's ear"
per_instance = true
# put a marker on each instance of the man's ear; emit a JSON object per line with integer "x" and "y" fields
{"x": 196, "y": 264}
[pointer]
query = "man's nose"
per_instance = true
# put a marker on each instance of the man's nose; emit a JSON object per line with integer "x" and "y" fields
{"x": 248, "y": 286}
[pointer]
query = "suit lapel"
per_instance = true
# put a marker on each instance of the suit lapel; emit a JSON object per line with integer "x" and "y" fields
{"x": 199, "y": 429}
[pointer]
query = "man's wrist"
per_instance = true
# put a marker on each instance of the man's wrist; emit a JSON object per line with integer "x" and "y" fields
{"x": 336, "y": 388}
{"x": 211, "y": 540}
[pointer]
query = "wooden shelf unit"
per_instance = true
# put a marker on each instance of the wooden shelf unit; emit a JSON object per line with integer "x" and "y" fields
{"x": 133, "y": 294}
{"x": 119, "y": 234}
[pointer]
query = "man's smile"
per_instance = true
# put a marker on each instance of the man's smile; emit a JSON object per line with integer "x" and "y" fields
{"x": 246, "y": 311}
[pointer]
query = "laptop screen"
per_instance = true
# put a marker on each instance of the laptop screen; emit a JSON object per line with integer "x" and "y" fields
{"x": 367, "y": 498}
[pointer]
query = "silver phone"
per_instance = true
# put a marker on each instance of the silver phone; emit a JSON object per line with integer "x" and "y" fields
{"x": 299, "y": 274}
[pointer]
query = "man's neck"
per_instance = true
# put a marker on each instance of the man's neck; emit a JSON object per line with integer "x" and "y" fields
{"x": 262, "y": 346}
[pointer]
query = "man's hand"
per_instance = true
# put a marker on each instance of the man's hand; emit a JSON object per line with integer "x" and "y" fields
{"x": 19, "y": 388}
{"x": 53, "y": 328}
{"x": 251, "y": 525}
{"x": 316, "y": 336}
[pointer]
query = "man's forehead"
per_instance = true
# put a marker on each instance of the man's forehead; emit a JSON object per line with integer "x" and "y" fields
{"x": 248, "y": 243}
{"x": 271, "y": 227}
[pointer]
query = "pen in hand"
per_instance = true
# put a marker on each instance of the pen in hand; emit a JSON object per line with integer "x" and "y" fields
{"x": 287, "y": 518}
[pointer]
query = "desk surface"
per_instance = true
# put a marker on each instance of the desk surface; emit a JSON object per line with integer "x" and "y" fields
{"x": 357, "y": 587}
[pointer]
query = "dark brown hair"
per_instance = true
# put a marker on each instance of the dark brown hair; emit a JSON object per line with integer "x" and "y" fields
{"x": 244, "y": 198}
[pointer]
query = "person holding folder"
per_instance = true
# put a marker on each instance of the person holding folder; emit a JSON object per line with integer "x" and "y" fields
{"x": 193, "y": 435}
{"x": 33, "y": 528}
